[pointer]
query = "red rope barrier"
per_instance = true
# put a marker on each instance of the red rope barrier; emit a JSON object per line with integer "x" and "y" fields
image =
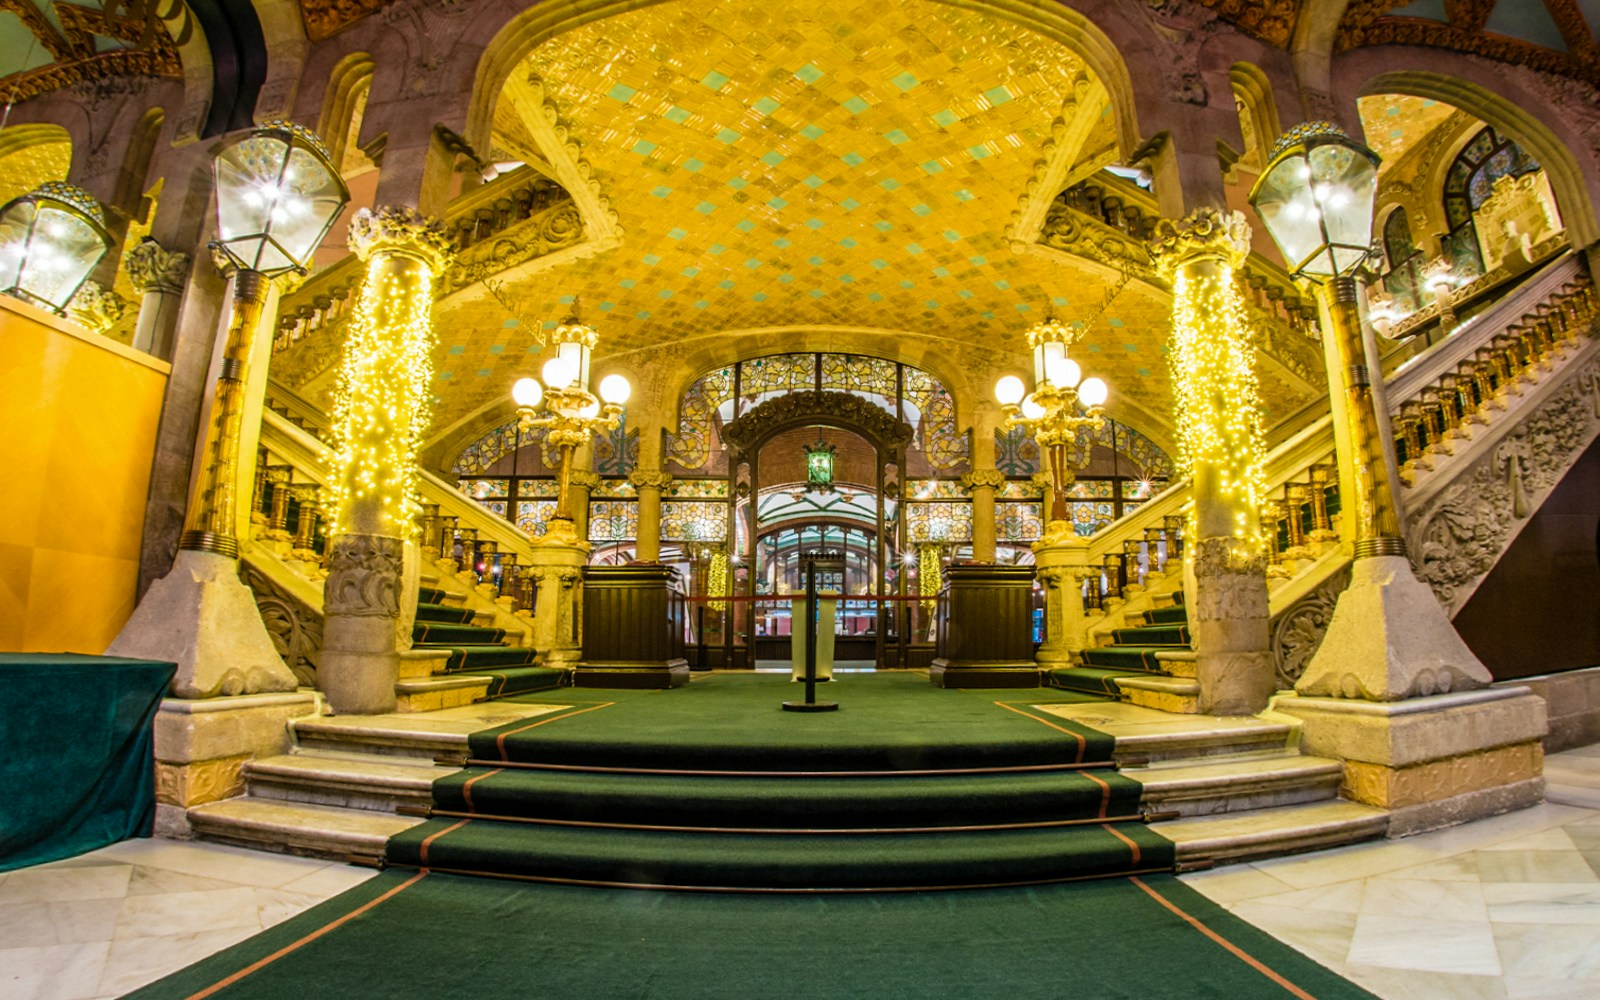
{"x": 790, "y": 598}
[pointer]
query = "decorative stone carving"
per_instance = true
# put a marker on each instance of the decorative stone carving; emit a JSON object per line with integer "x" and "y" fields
{"x": 585, "y": 479}
{"x": 96, "y": 308}
{"x": 401, "y": 230}
{"x": 153, "y": 268}
{"x": 801, "y": 408}
{"x": 645, "y": 479}
{"x": 1068, "y": 230}
{"x": 364, "y": 576}
{"x": 1458, "y": 538}
{"x": 983, "y": 479}
{"x": 1205, "y": 232}
{"x": 295, "y": 627}
{"x": 559, "y": 227}
{"x": 1297, "y": 632}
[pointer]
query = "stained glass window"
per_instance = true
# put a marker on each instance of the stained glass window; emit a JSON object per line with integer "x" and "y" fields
{"x": 534, "y": 516}
{"x": 946, "y": 521}
{"x": 613, "y": 520}
{"x": 1019, "y": 522}
{"x": 1485, "y": 159}
{"x": 694, "y": 521}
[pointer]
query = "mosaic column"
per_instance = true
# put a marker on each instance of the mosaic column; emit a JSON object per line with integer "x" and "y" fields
{"x": 159, "y": 275}
{"x": 650, "y": 486}
{"x": 379, "y": 413}
{"x": 982, "y": 484}
{"x": 1221, "y": 448}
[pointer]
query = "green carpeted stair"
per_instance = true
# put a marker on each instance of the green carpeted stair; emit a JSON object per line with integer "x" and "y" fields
{"x": 713, "y": 787}
{"x": 476, "y": 650}
{"x": 1132, "y": 652}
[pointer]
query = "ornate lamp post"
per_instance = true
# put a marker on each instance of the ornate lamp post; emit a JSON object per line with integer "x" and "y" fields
{"x": 572, "y": 412}
{"x": 50, "y": 240}
{"x": 277, "y": 194}
{"x": 1051, "y": 411}
{"x": 1388, "y": 639}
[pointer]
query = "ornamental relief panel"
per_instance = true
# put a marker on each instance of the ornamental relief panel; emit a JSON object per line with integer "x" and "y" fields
{"x": 295, "y": 626}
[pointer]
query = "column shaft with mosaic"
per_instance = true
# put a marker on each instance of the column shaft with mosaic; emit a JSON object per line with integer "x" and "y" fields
{"x": 1222, "y": 450}
{"x": 650, "y": 484}
{"x": 380, "y": 412}
{"x": 982, "y": 484}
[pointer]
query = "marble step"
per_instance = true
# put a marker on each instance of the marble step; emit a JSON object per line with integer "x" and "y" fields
{"x": 1178, "y": 695}
{"x": 348, "y": 780}
{"x": 296, "y": 828}
{"x": 430, "y": 694}
{"x": 1236, "y": 784}
{"x": 423, "y": 734}
{"x": 1265, "y": 833}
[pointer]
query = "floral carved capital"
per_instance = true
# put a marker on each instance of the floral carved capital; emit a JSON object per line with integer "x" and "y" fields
{"x": 1203, "y": 233}
{"x": 644, "y": 479}
{"x": 364, "y": 577}
{"x": 984, "y": 479}
{"x": 151, "y": 267}
{"x": 401, "y": 231}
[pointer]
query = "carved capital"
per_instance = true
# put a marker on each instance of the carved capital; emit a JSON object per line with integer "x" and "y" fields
{"x": 364, "y": 576}
{"x": 1203, "y": 233}
{"x": 98, "y": 309}
{"x": 984, "y": 478}
{"x": 645, "y": 479}
{"x": 151, "y": 267}
{"x": 401, "y": 232}
{"x": 583, "y": 479}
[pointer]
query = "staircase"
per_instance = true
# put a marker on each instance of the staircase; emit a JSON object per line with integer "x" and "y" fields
{"x": 1150, "y": 664}
{"x": 474, "y": 651}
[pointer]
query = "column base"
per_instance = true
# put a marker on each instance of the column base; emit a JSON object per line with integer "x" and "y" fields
{"x": 627, "y": 676}
{"x": 201, "y": 616}
{"x": 951, "y": 674}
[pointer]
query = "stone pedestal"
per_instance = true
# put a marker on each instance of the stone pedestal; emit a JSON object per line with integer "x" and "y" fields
{"x": 985, "y": 636}
{"x": 1433, "y": 761}
{"x": 629, "y": 638}
{"x": 203, "y": 618}
{"x": 360, "y": 660}
{"x": 557, "y": 571}
{"x": 1389, "y": 639}
{"x": 1062, "y": 562}
{"x": 202, "y": 746}
{"x": 1229, "y": 619}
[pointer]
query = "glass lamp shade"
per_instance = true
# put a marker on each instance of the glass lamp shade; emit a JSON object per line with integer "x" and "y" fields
{"x": 278, "y": 194}
{"x": 575, "y": 354}
{"x": 1031, "y": 409}
{"x": 526, "y": 392}
{"x": 1047, "y": 356}
{"x": 1009, "y": 390}
{"x": 1093, "y": 392}
{"x": 50, "y": 239}
{"x": 1316, "y": 199}
{"x": 615, "y": 389}
{"x": 558, "y": 373}
{"x": 1064, "y": 372}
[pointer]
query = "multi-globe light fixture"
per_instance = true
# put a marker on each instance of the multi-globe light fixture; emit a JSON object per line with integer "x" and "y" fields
{"x": 1061, "y": 404}
{"x": 572, "y": 411}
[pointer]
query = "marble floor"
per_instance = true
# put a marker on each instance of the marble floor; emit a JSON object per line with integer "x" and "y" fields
{"x": 1504, "y": 908}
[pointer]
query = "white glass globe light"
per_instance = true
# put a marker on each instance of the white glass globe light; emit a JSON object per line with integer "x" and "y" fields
{"x": 590, "y": 409}
{"x": 558, "y": 373}
{"x": 1092, "y": 392}
{"x": 615, "y": 389}
{"x": 1064, "y": 372}
{"x": 1010, "y": 390}
{"x": 1031, "y": 409}
{"x": 527, "y": 392}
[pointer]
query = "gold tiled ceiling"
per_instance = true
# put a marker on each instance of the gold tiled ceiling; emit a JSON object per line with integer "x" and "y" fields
{"x": 829, "y": 164}
{"x": 1393, "y": 123}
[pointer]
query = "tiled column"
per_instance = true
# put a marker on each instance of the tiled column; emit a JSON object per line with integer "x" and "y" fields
{"x": 650, "y": 484}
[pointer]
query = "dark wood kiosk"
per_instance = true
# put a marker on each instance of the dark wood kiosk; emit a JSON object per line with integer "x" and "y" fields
{"x": 633, "y": 628}
{"x": 985, "y": 630}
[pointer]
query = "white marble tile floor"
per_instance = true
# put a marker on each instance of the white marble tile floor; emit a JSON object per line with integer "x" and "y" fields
{"x": 1506, "y": 908}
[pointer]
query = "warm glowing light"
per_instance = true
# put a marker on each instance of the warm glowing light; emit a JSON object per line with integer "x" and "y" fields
{"x": 1064, "y": 372}
{"x": 1093, "y": 392}
{"x": 558, "y": 373}
{"x": 1010, "y": 390}
{"x": 527, "y": 392}
{"x": 717, "y": 580}
{"x": 615, "y": 389}
{"x": 1031, "y": 410}
{"x": 930, "y": 573}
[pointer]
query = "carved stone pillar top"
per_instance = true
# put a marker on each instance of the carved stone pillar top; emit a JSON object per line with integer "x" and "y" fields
{"x": 1203, "y": 233}
{"x": 97, "y": 308}
{"x": 151, "y": 267}
{"x": 583, "y": 479}
{"x": 983, "y": 479}
{"x": 403, "y": 232}
{"x": 645, "y": 479}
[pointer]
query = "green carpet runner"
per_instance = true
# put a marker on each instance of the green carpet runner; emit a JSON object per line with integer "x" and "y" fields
{"x": 1131, "y": 654}
{"x": 476, "y": 650}
{"x": 712, "y": 786}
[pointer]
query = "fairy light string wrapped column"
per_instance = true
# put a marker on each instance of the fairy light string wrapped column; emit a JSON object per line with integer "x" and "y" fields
{"x": 1221, "y": 448}
{"x": 380, "y": 411}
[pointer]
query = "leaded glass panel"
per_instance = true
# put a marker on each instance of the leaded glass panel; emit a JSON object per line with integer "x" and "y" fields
{"x": 613, "y": 520}
{"x": 944, "y": 521}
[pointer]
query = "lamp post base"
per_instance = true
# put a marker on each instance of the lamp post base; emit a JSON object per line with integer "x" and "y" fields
{"x": 1390, "y": 640}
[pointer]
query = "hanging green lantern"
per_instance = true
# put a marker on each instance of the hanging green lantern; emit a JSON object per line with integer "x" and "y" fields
{"x": 819, "y": 467}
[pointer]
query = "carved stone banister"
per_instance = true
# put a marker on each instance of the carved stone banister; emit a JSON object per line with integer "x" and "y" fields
{"x": 317, "y": 303}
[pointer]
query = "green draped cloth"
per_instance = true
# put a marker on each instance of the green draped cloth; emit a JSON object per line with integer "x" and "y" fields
{"x": 77, "y": 753}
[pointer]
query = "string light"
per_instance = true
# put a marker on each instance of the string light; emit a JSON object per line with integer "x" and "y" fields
{"x": 930, "y": 573}
{"x": 381, "y": 400}
{"x": 1215, "y": 394}
{"x": 717, "y": 579}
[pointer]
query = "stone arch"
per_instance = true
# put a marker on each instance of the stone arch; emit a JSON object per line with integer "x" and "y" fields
{"x": 1102, "y": 32}
{"x": 1560, "y": 148}
{"x": 1258, "y": 110}
{"x": 342, "y": 102}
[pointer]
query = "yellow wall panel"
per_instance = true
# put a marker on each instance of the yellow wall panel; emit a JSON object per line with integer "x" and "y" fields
{"x": 80, "y": 414}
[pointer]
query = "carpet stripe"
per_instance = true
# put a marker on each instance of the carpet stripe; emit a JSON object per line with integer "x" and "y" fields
{"x": 259, "y": 964}
{"x": 466, "y": 789}
{"x": 1132, "y": 845}
{"x": 500, "y": 741}
{"x": 1234, "y": 949}
{"x": 423, "y": 850}
{"x": 1082, "y": 743}
{"x": 1105, "y": 792}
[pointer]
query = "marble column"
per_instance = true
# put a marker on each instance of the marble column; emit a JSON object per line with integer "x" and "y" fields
{"x": 1213, "y": 363}
{"x": 1061, "y": 567}
{"x": 650, "y": 485}
{"x": 982, "y": 484}
{"x": 557, "y": 574}
{"x": 384, "y": 376}
{"x": 582, "y": 484}
{"x": 159, "y": 275}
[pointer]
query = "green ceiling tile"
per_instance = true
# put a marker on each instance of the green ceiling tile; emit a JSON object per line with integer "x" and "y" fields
{"x": 808, "y": 73}
{"x": 457, "y": 349}
{"x": 1094, "y": 348}
{"x": 812, "y": 132}
{"x": 880, "y": 263}
{"x": 701, "y": 303}
{"x": 651, "y": 259}
{"x": 816, "y": 293}
{"x": 1131, "y": 348}
{"x": 785, "y": 278}
{"x": 781, "y": 243}
{"x": 1114, "y": 323}
{"x": 964, "y": 195}
{"x": 483, "y": 373}
{"x": 714, "y": 80}
{"x": 904, "y": 283}
{"x": 511, "y": 324}
{"x": 815, "y": 261}
{"x": 665, "y": 293}
{"x": 644, "y": 147}
{"x": 979, "y": 152}
{"x": 813, "y": 224}
{"x": 896, "y": 136}
{"x": 705, "y": 208}
{"x": 772, "y": 158}
{"x": 660, "y": 192}
{"x": 849, "y": 204}
{"x": 752, "y": 263}
{"x": 997, "y": 96}
{"x": 889, "y": 184}
{"x": 621, "y": 93}
{"x": 445, "y": 375}
{"x": 952, "y": 236}
{"x": 933, "y": 167}
{"x": 847, "y": 279}
{"x": 875, "y": 297}
{"x": 1060, "y": 300}
{"x": 642, "y": 314}
{"x": 978, "y": 261}
{"x": 766, "y": 105}
{"x": 777, "y": 203}
{"x": 744, "y": 225}
{"x": 931, "y": 304}
{"x": 905, "y": 81}
{"x": 945, "y": 118}
{"x": 728, "y": 136}
{"x": 1144, "y": 372}
{"x": 675, "y": 115}
{"x": 738, "y": 183}
{"x": 676, "y": 233}
{"x": 922, "y": 209}
{"x": 716, "y": 249}
{"x": 626, "y": 283}
{"x": 941, "y": 272}
{"x": 690, "y": 272}
{"x": 607, "y": 306}
{"x": 759, "y": 297}
{"x": 847, "y": 243}
{"x": 1003, "y": 285}
{"x": 856, "y": 105}
{"x": 693, "y": 165}
{"x": 964, "y": 293}
{"x": 725, "y": 285}
{"x": 986, "y": 314}
{"x": 883, "y": 226}
{"x": 813, "y": 182}
{"x": 1023, "y": 307}
{"x": 497, "y": 348}
{"x": 853, "y": 159}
